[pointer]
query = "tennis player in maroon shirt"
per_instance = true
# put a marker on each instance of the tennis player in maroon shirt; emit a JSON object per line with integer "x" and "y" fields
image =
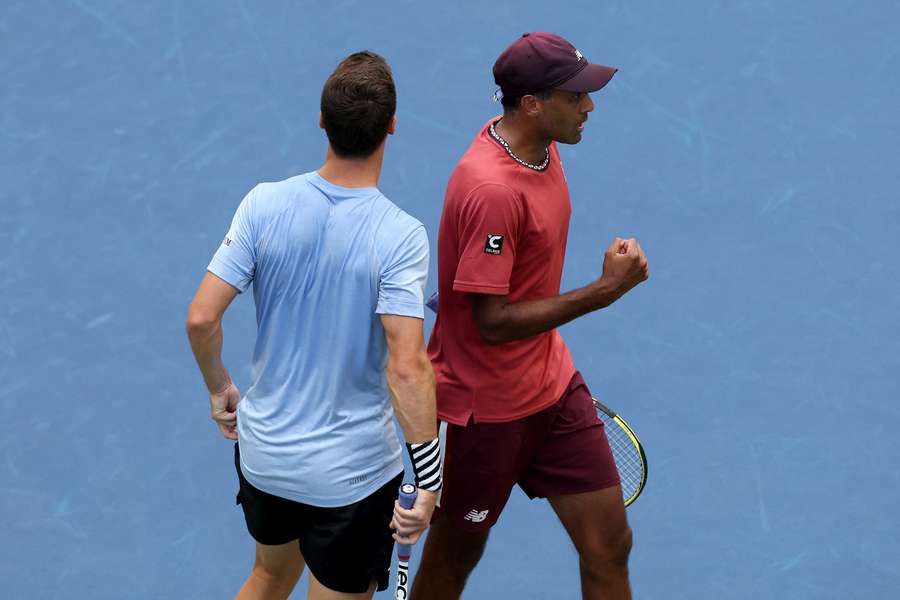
{"x": 513, "y": 407}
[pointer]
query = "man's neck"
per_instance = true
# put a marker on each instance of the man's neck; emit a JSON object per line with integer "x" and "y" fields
{"x": 352, "y": 172}
{"x": 524, "y": 142}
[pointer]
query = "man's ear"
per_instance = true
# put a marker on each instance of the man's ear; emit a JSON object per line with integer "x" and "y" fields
{"x": 321, "y": 121}
{"x": 392, "y": 126}
{"x": 529, "y": 105}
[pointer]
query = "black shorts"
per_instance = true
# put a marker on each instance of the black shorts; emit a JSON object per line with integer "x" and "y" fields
{"x": 346, "y": 548}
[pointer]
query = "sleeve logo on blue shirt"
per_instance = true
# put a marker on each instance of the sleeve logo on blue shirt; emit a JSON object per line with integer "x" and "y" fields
{"x": 226, "y": 241}
{"x": 494, "y": 244}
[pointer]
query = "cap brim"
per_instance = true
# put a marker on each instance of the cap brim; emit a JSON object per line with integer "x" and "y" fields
{"x": 589, "y": 79}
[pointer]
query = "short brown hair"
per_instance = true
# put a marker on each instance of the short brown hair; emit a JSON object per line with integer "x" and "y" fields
{"x": 358, "y": 102}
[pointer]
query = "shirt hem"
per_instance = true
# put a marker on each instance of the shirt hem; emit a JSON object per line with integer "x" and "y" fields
{"x": 401, "y": 309}
{"x": 462, "y": 286}
{"x": 228, "y": 275}
{"x": 472, "y": 414}
{"x": 359, "y": 494}
{"x": 504, "y": 419}
{"x": 522, "y": 415}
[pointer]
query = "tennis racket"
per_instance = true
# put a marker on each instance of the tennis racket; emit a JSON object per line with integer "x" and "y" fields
{"x": 631, "y": 461}
{"x": 407, "y": 498}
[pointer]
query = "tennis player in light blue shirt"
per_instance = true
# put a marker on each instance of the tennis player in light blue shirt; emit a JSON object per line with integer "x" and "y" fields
{"x": 315, "y": 424}
{"x": 338, "y": 275}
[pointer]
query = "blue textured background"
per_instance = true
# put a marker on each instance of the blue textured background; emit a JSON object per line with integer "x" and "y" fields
{"x": 751, "y": 146}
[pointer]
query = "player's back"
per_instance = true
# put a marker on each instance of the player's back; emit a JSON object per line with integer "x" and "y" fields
{"x": 315, "y": 425}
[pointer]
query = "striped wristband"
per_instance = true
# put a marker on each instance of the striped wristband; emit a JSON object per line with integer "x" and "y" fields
{"x": 426, "y": 464}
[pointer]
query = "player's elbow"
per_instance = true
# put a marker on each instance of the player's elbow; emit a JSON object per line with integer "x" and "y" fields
{"x": 415, "y": 368}
{"x": 201, "y": 322}
{"x": 492, "y": 334}
{"x": 491, "y": 320}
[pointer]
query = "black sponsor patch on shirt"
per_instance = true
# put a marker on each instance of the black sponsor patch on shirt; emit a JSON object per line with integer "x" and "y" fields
{"x": 493, "y": 244}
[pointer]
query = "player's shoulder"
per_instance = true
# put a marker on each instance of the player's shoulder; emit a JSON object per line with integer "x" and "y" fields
{"x": 395, "y": 232}
{"x": 269, "y": 198}
{"x": 394, "y": 222}
{"x": 479, "y": 159}
{"x": 275, "y": 191}
{"x": 483, "y": 195}
{"x": 483, "y": 169}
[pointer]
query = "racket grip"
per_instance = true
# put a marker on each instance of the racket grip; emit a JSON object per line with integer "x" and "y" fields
{"x": 406, "y": 498}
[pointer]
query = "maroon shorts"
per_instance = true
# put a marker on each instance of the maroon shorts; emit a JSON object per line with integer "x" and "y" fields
{"x": 558, "y": 451}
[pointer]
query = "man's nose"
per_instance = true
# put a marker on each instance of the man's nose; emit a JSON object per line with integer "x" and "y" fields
{"x": 589, "y": 103}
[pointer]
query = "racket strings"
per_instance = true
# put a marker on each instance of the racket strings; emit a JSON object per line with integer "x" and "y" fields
{"x": 626, "y": 455}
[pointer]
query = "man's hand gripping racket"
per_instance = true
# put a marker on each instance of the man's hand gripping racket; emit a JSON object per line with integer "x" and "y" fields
{"x": 412, "y": 513}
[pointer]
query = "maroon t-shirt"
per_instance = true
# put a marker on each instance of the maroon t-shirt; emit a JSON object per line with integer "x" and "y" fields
{"x": 503, "y": 231}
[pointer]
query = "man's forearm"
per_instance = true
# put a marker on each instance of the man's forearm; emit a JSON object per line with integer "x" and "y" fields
{"x": 520, "y": 320}
{"x": 412, "y": 393}
{"x": 206, "y": 343}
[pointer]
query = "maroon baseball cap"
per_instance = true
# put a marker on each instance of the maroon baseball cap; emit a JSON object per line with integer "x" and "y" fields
{"x": 541, "y": 61}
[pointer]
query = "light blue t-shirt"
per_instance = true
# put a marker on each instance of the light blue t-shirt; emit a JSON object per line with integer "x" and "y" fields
{"x": 315, "y": 425}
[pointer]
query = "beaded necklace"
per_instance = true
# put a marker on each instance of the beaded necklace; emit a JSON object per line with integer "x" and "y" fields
{"x": 512, "y": 154}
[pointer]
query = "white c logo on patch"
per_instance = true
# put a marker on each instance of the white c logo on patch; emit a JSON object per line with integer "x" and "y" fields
{"x": 493, "y": 241}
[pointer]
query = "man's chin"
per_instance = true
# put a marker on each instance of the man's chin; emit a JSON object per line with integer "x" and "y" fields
{"x": 572, "y": 139}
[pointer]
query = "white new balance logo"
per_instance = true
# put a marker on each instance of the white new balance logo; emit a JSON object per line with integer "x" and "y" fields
{"x": 475, "y": 516}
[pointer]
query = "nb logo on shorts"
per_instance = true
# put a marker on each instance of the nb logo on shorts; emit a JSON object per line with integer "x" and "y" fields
{"x": 475, "y": 516}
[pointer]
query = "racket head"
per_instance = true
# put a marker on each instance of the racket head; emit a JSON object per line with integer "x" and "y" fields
{"x": 631, "y": 460}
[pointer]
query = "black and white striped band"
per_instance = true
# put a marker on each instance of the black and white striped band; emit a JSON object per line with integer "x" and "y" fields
{"x": 426, "y": 464}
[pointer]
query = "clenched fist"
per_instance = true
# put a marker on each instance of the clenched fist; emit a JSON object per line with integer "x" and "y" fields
{"x": 625, "y": 265}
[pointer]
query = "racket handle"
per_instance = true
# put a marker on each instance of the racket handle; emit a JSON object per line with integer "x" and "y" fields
{"x": 406, "y": 498}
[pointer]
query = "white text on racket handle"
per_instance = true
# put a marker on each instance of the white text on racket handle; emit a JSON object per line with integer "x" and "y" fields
{"x": 406, "y": 499}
